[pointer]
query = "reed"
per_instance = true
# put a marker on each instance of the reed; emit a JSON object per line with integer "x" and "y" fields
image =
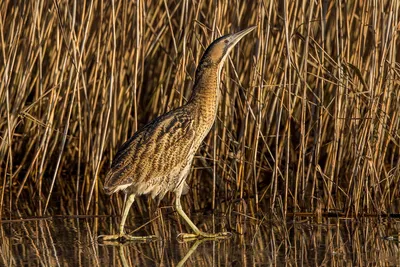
{"x": 308, "y": 121}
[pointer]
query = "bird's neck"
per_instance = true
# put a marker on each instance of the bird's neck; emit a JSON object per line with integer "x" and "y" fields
{"x": 205, "y": 95}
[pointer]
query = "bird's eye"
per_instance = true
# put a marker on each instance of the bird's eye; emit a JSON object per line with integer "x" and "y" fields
{"x": 226, "y": 41}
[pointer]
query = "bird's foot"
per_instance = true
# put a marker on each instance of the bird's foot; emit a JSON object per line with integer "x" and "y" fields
{"x": 185, "y": 237}
{"x": 123, "y": 238}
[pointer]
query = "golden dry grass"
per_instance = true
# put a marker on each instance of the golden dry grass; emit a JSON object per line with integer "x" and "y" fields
{"x": 308, "y": 121}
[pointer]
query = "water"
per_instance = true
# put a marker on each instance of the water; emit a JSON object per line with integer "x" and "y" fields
{"x": 73, "y": 242}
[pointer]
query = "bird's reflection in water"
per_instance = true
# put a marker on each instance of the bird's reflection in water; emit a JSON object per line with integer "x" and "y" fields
{"x": 192, "y": 249}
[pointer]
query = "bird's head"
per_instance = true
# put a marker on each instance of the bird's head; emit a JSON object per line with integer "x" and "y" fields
{"x": 217, "y": 51}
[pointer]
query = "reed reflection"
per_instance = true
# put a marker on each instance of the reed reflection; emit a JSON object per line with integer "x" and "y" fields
{"x": 72, "y": 241}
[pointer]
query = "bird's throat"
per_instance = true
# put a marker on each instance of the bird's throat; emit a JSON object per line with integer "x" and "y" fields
{"x": 205, "y": 97}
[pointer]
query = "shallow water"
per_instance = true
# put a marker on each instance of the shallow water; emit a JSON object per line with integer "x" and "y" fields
{"x": 73, "y": 242}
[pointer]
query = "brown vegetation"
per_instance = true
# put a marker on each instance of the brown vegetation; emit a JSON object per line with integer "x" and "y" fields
{"x": 308, "y": 121}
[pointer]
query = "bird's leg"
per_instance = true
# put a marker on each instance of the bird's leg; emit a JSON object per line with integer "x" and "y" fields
{"x": 197, "y": 233}
{"x": 128, "y": 204}
{"x": 122, "y": 237}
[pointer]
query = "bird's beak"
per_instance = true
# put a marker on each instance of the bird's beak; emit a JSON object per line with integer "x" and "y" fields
{"x": 236, "y": 37}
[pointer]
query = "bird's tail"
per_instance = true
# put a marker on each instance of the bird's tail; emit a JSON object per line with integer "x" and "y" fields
{"x": 112, "y": 185}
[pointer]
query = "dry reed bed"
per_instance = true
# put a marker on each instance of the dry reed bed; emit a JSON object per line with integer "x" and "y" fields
{"x": 309, "y": 117}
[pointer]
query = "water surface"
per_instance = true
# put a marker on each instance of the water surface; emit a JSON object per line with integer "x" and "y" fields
{"x": 73, "y": 242}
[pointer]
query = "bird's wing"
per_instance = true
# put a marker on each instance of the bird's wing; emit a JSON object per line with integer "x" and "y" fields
{"x": 153, "y": 152}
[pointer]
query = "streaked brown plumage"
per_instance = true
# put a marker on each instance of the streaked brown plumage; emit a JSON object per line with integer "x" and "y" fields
{"x": 158, "y": 157}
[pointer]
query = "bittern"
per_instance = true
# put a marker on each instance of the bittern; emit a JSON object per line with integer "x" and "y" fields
{"x": 158, "y": 157}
